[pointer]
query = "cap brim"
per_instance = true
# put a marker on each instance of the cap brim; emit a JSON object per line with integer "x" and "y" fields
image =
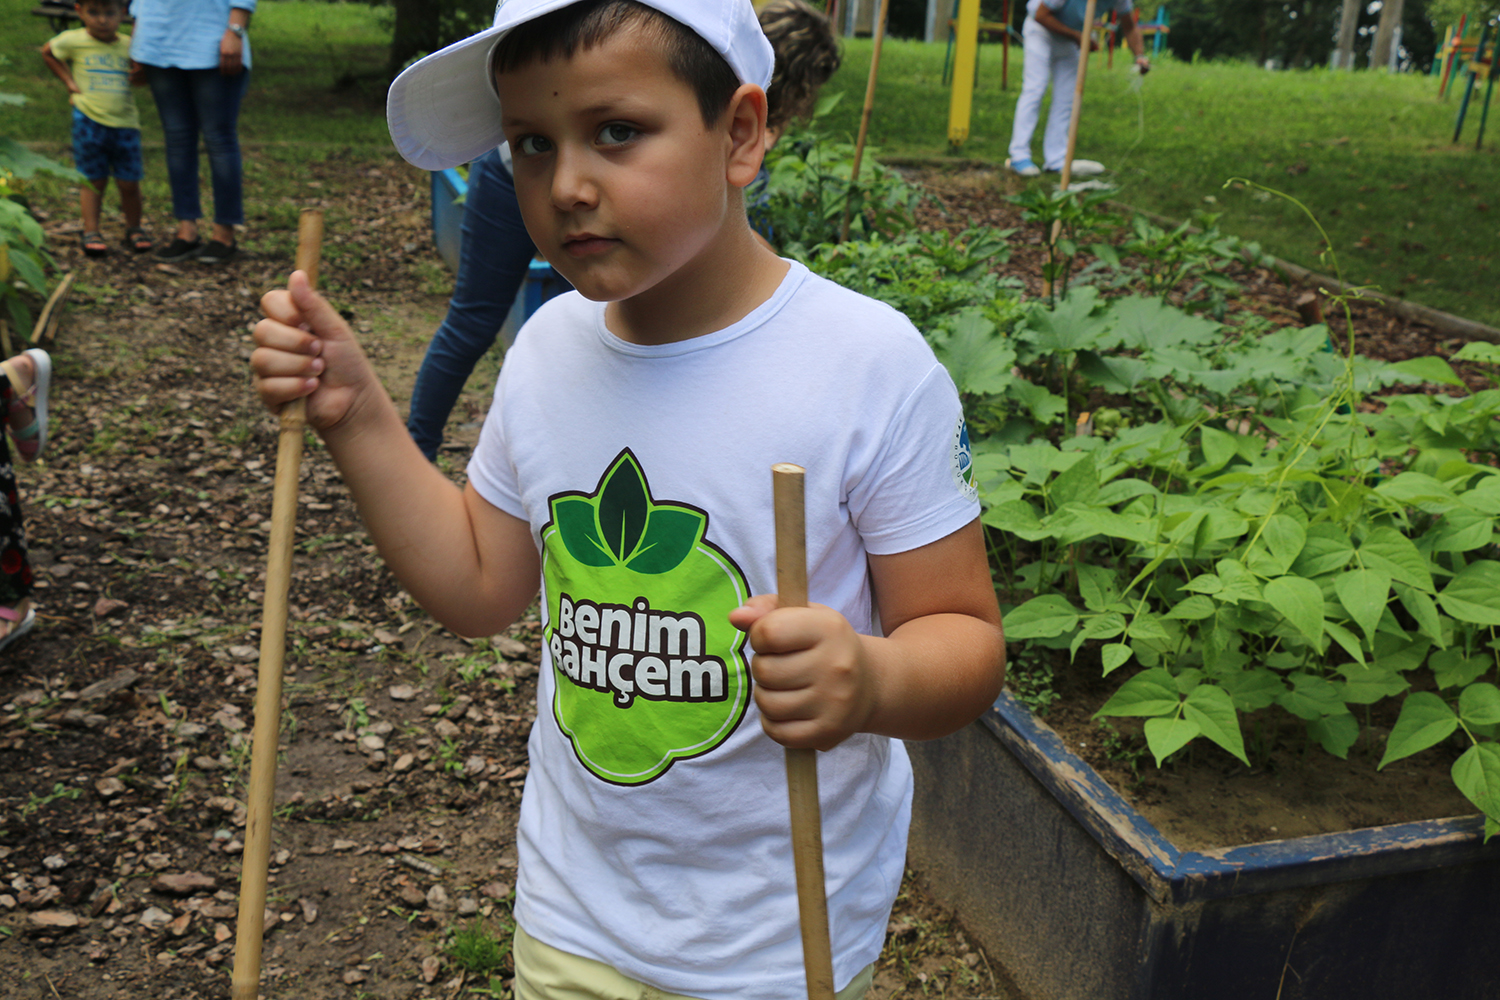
{"x": 442, "y": 110}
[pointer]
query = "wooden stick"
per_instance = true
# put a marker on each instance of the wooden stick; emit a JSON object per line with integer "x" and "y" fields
{"x": 864, "y": 120}
{"x": 46, "y": 322}
{"x": 801, "y": 764}
{"x": 261, "y": 793}
{"x": 1083, "y": 71}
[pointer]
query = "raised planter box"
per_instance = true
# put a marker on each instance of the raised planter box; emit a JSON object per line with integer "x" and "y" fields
{"x": 1079, "y": 897}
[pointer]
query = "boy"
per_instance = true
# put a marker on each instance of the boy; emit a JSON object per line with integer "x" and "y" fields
{"x": 1053, "y": 35}
{"x": 93, "y": 62}
{"x": 625, "y": 466}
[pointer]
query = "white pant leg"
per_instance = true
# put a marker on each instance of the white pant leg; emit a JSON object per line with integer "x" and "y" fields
{"x": 1064, "y": 79}
{"x": 1035, "y": 72}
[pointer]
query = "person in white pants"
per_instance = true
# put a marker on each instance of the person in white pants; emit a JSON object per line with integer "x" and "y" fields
{"x": 1053, "y": 33}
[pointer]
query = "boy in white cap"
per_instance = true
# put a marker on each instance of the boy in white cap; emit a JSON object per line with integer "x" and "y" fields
{"x": 624, "y": 466}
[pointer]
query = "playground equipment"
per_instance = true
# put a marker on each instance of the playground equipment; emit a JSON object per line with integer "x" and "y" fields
{"x": 1481, "y": 67}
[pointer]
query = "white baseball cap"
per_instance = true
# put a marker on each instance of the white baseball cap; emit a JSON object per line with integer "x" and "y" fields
{"x": 443, "y": 110}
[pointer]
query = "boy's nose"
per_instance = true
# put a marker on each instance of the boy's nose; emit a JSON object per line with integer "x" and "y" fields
{"x": 572, "y": 183}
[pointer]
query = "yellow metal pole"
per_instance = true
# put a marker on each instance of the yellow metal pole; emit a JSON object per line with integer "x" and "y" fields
{"x": 966, "y": 55}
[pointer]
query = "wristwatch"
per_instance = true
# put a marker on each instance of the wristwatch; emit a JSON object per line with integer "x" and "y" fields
{"x": 238, "y": 30}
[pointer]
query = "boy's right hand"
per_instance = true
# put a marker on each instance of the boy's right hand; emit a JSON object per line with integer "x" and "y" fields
{"x": 304, "y": 348}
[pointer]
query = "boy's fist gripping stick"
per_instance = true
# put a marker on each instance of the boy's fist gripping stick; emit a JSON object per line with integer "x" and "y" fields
{"x": 802, "y": 763}
{"x": 261, "y": 792}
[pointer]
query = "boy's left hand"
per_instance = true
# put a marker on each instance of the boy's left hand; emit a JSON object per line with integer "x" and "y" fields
{"x": 813, "y": 682}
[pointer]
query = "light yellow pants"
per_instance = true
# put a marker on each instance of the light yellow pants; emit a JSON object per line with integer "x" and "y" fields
{"x": 544, "y": 973}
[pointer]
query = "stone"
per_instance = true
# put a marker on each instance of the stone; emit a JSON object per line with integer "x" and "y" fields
{"x": 106, "y": 606}
{"x": 432, "y": 967}
{"x": 155, "y": 919}
{"x": 437, "y": 898}
{"x": 179, "y": 926}
{"x": 108, "y": 788}
{"x": 508, "y": 647}
{"x": 467, "y": 906}
{"x": 412, "y": 897}
{"x": 404, "y": 763}
{"x": 53, "y": 921}
{"x": 402, "y": 692}
{"x": 446, "y": 729}
{"x": 121, "y": 680}
{"x": 371, "y": 743}
{"x": 495, "y": 890}
{"x": 186, "y": 884}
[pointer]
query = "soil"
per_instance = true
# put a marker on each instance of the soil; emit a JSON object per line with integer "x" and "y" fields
{"x": 124, "y": 714}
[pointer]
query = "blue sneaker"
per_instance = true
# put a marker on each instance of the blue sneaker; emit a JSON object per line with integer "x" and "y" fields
{"x": 1023, "y": 168}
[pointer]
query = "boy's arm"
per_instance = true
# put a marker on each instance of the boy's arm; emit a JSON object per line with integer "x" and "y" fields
{"x": 471, "y": 565}
{"x": 938, "y": 667}
{"x": 60, "y": 69}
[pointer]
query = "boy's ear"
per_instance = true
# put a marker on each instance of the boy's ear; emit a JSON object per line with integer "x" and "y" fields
{"x": 746, "y": 117}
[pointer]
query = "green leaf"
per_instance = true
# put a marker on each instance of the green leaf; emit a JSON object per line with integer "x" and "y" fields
{"x": 1460, "y": 530}
{"x": 1423, "y": 609}
{"x": 1213, "y": 710}
{"x": 1345, "y": 638}
{"x": 1328, "y": 549}
{"x": 1414, "y": 489}
{"x": 1479, "y": 705}
{"x": 1041, "y": 403}
{"x": 977, "y": 357}
{"x": 579, "y": 530}
{"x": 1364, "y": 594}
{"x": 1069, "y": 326}
{"x": 1219, "y": 448}
{"x": 23, "y": 162}
{"x": 1335, "y": 733}
{"x": 1451, "y": 668}
{"x": 1474, "y": 594}
{"x": 671, "y": 533}
{"x": 1079, "y": 483}
{"x": 1427, "y": 369}
{"x": 1311, "y": 697}
{"x": 1239, "y": 583}
{"x": 624, "y": 504}
{"x": 1477, "y": 775}
{"x": 1285, "y": 539}
{"x": 1017, "y": 517}
{"x": 1114, "y": 655}
{"x": 1366, "y": 685}
{"x": 1148, "y": 324}
{"x": 1150, "y": 692}
{"x": 1097, "y": 586}
{"x": 1300, "y": 602}
{"x": 1076, "y": 523}
{"x": 1253, "y": 690}
{"x": 1425, "y": 720}
{"x": 1389, "y": 551}
{"x": 1194, "y": 608}
{"x": 1167, "y": 736}
{"x": 1041, "y": 618}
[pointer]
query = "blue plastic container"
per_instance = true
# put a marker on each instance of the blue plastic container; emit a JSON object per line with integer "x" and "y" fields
{"x": 1079, "y": 897}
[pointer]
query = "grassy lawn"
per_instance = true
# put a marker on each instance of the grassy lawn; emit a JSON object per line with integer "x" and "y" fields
{"x": 1369, "y": 154}
{"x": 1407, "y": 210}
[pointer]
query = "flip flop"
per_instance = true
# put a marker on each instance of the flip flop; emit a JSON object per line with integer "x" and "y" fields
{"x": 137, "y": 240}
{"x": 93, "y": 244}
{"x": 16, "y": 631}
{"x": 31, "y": 440}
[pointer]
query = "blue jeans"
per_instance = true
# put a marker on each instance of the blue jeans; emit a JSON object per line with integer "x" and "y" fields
{"x": 494, "y": 252}
{"x": 190, "y": 101}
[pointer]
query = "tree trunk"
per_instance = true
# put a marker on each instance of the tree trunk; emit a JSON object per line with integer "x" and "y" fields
{"x": 416, "y": 31}
{"x": 1390, "y": 20}
{"x": 1343, "y": 56}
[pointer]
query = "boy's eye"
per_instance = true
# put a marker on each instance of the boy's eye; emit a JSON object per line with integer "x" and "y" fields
{"x": 531, "y": 145}
{"x": 616, "y": 134}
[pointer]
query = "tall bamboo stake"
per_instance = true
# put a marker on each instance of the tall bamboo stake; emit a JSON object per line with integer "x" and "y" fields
{"x": 802, "y": 764}
{"x": 261, "y": 793}
{"x": 1084, "y": 45}
{"x": 864, "y": 119}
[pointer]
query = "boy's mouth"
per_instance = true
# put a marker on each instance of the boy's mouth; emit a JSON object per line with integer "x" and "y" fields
{"x": 587, "y": 244}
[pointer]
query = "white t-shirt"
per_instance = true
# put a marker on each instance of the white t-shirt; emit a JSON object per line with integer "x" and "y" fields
{"x": 655, "y": 831}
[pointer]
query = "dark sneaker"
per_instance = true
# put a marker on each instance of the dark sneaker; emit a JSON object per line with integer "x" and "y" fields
{"x": 180, "y": 249}
{"x": 217, "y": 253}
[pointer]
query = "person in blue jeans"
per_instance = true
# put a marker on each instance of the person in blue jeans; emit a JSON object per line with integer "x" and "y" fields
{"x": 494, "y": 253}
{"x": 196, "y": 58}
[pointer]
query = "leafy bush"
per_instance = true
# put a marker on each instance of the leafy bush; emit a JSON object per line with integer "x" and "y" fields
{"x": 23, "y": 257}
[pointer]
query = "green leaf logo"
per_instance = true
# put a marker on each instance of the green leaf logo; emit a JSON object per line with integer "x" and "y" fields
{"x": 647, "y": 670}
{"x": 620, "y": 525}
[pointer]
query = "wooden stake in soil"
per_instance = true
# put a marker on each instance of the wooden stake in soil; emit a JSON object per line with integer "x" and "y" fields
{"x": 802, "y": 764}
{"x": 261, "y": 792}
{"x": 1084, "y": 43}
{"x": 864, "y": 120}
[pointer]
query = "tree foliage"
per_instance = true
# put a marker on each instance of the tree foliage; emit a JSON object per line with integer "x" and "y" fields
{"x": 1296, "y": 34}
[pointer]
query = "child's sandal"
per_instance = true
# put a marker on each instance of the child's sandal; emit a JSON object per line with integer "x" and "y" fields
{"x": 31, "y": 439}
{"x": 137, "y": 240}
{"x": 19, "y": 625}
{"x": 93, "y": 244}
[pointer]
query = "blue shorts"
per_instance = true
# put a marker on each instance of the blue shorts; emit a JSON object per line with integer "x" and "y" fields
{"x": 100, "y": 151}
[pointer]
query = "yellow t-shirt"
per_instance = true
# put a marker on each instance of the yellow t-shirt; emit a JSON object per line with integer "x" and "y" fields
{"x": 102, "y": 72}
